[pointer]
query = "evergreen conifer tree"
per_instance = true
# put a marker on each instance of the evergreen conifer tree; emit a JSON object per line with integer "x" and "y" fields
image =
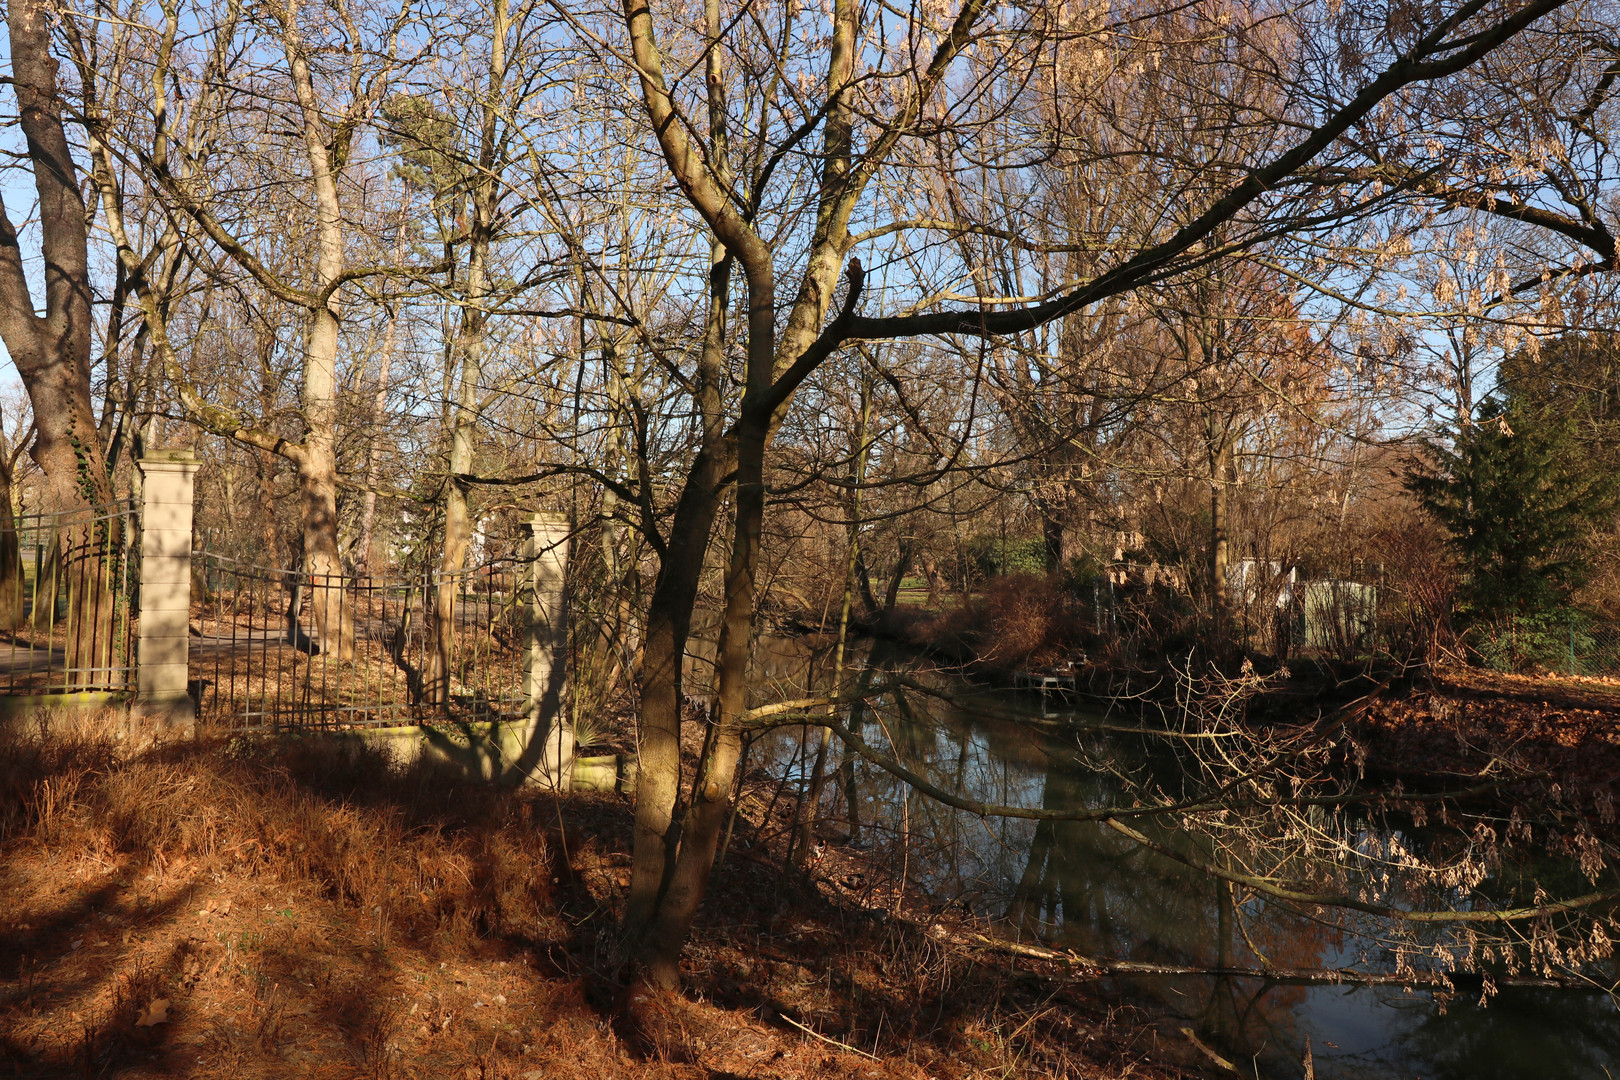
{"x": 1517, "y": 495}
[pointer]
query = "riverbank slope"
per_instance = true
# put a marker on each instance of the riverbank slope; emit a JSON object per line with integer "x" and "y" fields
{"x": 263, "y": 909}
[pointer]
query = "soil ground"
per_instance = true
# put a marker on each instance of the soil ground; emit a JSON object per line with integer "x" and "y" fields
{"x": 249, "y": 909}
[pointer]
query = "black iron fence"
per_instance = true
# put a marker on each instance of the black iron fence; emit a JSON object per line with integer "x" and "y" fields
{"x": 68, "y": 603}
{"x": 286, "y": 648}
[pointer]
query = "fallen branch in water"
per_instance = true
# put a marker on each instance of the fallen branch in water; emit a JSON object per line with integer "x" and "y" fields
{"x": 1090, "y": 967}
{"x": 1268, "y": 887}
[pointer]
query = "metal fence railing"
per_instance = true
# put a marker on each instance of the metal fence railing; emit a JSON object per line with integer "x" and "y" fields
{"x": 68, "y": 601}
{"x": 285, "y": 648}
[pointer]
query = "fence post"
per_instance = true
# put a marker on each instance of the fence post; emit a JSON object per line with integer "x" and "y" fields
{"x": 542, "y": 752}
{"x": 165, "y": 600}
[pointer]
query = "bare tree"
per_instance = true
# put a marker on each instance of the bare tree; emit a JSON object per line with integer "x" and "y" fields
{"x": 1238, "y": 201}
{"x": 52, "y": 351}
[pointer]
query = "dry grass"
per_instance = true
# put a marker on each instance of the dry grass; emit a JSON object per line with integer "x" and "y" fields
{"x": 276, "y": 909}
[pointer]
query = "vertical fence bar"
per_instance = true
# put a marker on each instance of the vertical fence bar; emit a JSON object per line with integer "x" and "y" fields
{"x": 130, "y": 597}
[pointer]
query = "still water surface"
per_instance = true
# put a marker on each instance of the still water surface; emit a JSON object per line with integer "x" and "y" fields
{"x": 1078, "y": 885}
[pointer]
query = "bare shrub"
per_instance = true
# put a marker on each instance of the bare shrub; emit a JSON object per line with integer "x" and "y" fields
{"x": 1419, "y": 587}
{"x": 1016, "y": 622}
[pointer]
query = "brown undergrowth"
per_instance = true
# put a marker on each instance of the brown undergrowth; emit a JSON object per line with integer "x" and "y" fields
{"x": 285, "y": 908}
{"x": 1015, "y": 622}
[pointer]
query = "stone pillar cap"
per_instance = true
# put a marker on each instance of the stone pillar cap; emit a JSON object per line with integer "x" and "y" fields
{"x": 548, "y": 517}
{"x": 169, "y": 457}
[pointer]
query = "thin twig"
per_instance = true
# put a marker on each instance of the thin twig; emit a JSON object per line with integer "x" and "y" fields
{"x": 825, "y": 1039}
{"x": 1207, "y": 1052}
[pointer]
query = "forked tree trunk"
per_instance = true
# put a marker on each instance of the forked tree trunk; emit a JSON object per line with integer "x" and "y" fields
{"x": 657, "y": 840}
{"x": 657, "y": 942}
{"x": 669, "y": 624}
{"x": 458, "y": 523}
{"x": 52, "y": 352}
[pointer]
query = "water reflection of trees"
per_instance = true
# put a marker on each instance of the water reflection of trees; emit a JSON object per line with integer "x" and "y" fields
{"x": 1261, "y": 810}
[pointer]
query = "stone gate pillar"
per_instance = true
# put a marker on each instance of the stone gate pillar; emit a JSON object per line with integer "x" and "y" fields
{"x": 165, "y": 598}
{"x": 541, "y": 749}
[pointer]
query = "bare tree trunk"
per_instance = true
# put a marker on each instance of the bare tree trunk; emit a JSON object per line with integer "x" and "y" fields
{"x": 317, "y": 464}
{"x": 658, "y": 948}
{"x": 669, "y": 623}
{"x": 657, "y": 841}
{"x": 52, "y": 352}
{"x": 361, "y": 557}
{"x": 1220, "y": 466}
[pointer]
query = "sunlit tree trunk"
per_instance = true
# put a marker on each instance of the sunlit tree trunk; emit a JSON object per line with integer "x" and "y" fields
{"x": 52, "y": 352}
{"x": 317, "y": 464}
{"x": 360, "y": 559}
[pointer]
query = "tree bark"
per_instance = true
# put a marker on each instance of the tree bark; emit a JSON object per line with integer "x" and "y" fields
{"x": 317, "y": 465}
{"x": 762, "y": 406}
{"x": 654, "y": 941}
{"x": 669, "y": 624}
{"x": 458, "y": 522}
{"x": 52, "y": 352}
{"x": 1220, "y": 506}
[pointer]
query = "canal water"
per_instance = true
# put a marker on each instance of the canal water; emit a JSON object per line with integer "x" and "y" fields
{"x": 1081, "y": 886}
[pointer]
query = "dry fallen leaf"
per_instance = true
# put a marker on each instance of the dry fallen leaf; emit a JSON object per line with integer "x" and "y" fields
{"x": 155, "y": 1013}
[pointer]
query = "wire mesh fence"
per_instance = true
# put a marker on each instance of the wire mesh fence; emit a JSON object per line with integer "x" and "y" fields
{"x": 287, "y": 648}
{"x": 1555, "y": 643}
{"x": 1594, "y": 649}
{"x": 68, "y": 601}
